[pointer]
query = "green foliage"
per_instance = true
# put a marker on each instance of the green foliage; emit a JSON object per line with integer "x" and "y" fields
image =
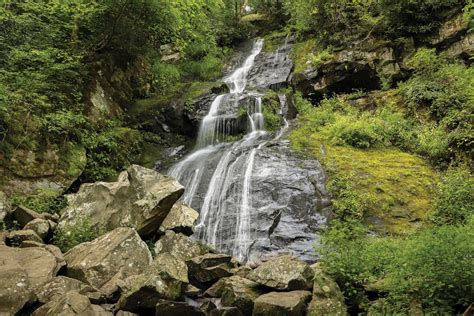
{"x": 209, "y": 68}
{"x": 44, "y": 200}
{"x": 454, "y": 203}
{"x": 110, "y": 152}
{"x": 340, "y": 22}
{"x": 48, "y": 51}
{"x": 432, "y": 266}
{"x": 303, "y": 106}
{"x": 271, "y": 111}
{"x": 446, "y": 91}
{"x": 70, "y": 236}
{"x": 165, "y": 76}
{"x": 320, "y": 57}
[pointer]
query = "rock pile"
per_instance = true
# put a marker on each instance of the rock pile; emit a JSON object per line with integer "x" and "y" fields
{"x": 117, "y": 274}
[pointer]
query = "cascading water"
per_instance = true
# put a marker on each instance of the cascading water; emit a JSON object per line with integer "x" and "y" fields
{"x": 220, "y": 175}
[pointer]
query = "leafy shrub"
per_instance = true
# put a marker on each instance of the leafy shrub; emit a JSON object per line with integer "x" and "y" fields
{"x": 208, "y": 68}
{"x": 165, "y": 76}
{"x": 303, "y": 106}
{"x": 360, "y": 133}
{"x": 70, "y": 236}
{"x": 454, "y": 202}
{"x": 43, "y": 201}
{"x": 432, "y": 266}
{"x": 320, "y": 57}
{"x": 109, "y": 152}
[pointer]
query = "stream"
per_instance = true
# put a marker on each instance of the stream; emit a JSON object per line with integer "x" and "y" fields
{"x": 255, "y": 196}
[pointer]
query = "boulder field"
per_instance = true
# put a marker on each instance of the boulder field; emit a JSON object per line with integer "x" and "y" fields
{"x": 146, "y": 261}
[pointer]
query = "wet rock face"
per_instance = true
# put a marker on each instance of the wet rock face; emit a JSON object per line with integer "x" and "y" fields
{"x": 140, "y": 198}
{"x": 273, "y": 70}
{"x": 292, "y": 203}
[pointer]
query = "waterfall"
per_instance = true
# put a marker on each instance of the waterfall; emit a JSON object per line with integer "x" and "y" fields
{"x": 219, "y": 175}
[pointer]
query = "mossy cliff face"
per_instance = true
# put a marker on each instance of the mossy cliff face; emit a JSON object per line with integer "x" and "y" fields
{"x": 396, "y": 187}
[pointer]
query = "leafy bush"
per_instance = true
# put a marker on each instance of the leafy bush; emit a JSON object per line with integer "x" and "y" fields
{"x": 446, "y": 92}
{"x": 432, "y": 266}
{"x": 43, "y": 201}
{"x": 363, "y": 132}
{"x": 208, "y": 68}
{"x": 165, "y": 76}
{"x": 454, "y": 202}
{"x": 81, "y": 231}
{"x": 110, "y": 152}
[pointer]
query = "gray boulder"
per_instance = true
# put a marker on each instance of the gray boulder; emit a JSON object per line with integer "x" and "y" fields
{"x": 5, "y": 206}
{"x": 178, "y": 245}
{"x": 40, "y": 226}
{"x": 24, "y": 215}
{"x": 22, "y": 272}
{"x": 164, "y": 279}
{"x": 104, "y": 261}
{"x": 180, "y": 219}
{"x": 140, "y": 198}
{"x": 236, "y": 291}
{"x": 282, "y": 304}
{"x": 283, "y": 273}
{"x": 60, "y": 285}
{"x": 16, "y": 237}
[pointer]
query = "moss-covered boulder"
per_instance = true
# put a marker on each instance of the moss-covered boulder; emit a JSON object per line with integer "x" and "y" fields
{"x": 179, "y": 246}
{"x": 52, "y": 168}
{"x": 180, "y": 219}
{"x": 70, "y": 303}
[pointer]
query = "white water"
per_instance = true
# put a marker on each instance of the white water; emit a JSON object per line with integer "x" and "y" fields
{"x": 231, "y": 182}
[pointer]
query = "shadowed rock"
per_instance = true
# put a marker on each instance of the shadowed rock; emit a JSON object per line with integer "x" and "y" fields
{"x": 164, "y": 279}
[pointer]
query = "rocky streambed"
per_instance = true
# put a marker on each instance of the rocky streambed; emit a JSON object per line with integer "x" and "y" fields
{"x": 146, "y": 262}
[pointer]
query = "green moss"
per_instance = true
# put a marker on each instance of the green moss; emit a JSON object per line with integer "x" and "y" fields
{"x": 271, "y": 110}
{"x": 274, "y": 40}
{"x": 400, "y": 185}
{"x": 74, "y": 161}
{"x": 302, "y": 53}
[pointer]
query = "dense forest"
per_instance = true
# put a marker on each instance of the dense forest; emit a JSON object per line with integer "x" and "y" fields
{"x": 384, "y": 91}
